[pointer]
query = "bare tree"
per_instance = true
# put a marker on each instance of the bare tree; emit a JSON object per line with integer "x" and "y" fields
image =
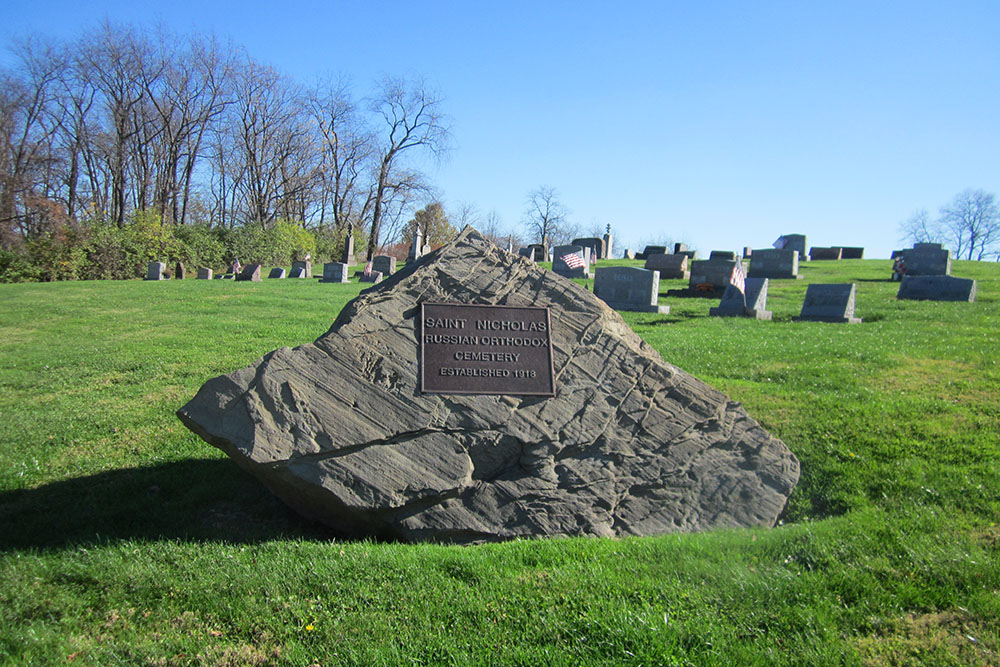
{"x": 919, "y": 228}
{"x": 347, "y": 148}
{"x": 545, "y": 216}
{"x": 269, "y": 157}
{"x": 412, "y": 120}
{"x": 972, "y": 222}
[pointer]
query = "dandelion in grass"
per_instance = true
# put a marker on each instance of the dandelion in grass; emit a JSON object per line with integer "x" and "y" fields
{"x": 310, "y": 627}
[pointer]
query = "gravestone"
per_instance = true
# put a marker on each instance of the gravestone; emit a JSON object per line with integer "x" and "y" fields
{"x": 937, "y": 288}
{"x": 154, "y": 270}
{"x": 747, "y": 252}
{"x": 652, "y": 250}
{"x": 205, "y": 273}
{"x": 371, "y": 277}
{"x": 418, "y": 247}
{"x": 628, "y": 254}
{"x": 596, "y": 246}
{"x": 179, "y": 271}
{"x": 306, "y": 266}
{"x": 527, "y": 253}
{"x": 774, "y": 263}
{"x": 722, "y": 254}
{"x": 680, "y": 248}
{"x": 250, "y": 273}
{"x": 276, "y": 272}
{"x": 608, "y": 239}
{"x": 896, "y": 253}
{"x": 750, "y": 303}
{"x": 537, "y": 252}
{"x": 547, "y": 416}
{"x": 852, "y": 253}
{"x": 384, "y": 264}
{"x": 298, "y": 272}
{"x": 629, "y": 288}
{"x": 334, "y": 272}
{"x": 927, "y": 259}
{"x": 564, "y": 253}
{"x": 832, "y": 302}
{"x": 818, "y": 253}
{"x": 715, "y": 272}
{"x": 347, "y": 257}
{"x": 669, "y": 266}
{"x": 792, "y": 242}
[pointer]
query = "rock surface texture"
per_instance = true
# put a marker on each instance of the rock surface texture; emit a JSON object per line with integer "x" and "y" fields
{"x": 630, "y": 445}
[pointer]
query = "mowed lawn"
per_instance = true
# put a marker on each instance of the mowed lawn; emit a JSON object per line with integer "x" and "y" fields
{"x": 125, "y": 539}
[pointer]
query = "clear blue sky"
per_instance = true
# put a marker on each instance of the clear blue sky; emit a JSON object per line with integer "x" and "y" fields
{"x": 722, "y": 124}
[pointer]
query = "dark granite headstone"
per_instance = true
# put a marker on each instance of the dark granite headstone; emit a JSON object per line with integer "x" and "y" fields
{"x": 817, "y": 253}
{"x": 937, "y": 288}
{"x": 927, "y": 259}
{"x": 852, "y": 253}
{"x": 652, "y": 250}
{"x": 179, "y": 271}
{"x": 305, "y": 265}
{"x": 629, "y": 288}
{"x": 747, "y": 252}
{"x": 751, "y": 303}
{"x": 669, "y": 266}
{"x": 680, "y": 248}
{"x": 596, "y": 246}
{"x": 205, "y": 273}
{"x": 276, "y": 272}
{"x": 723, "y": 254}
{"x": 832, "y": 302}
{"x": 773, "y": 263}
{"x": 371, "y": 277}
{"x": 715, "y": 272}
{"x": 250, "y": 273}
{"x": 154, "y": 271}
{"x": 628, "y": 254}
{"x": 536, "y": 252}
{"x": 794, "y": 242}
{"x": 334, "y": 272}
{"x": 384, "y": 264}
{"x": 298, "y": 272}
{"x": 560, "y": 255}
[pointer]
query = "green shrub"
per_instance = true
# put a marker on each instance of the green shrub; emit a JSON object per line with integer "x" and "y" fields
{"x": 16, "y": 267}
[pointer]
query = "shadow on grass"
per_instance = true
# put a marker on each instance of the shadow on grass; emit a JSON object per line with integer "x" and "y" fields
{"x": 196, "y": 500}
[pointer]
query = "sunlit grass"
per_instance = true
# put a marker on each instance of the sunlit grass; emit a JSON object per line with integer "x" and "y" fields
{"x": 127, "y": 540}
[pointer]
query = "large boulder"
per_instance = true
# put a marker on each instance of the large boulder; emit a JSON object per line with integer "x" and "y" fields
{"x": 629, "y": 444}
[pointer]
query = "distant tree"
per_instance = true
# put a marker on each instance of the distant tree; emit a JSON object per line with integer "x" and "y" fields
{"x": 413, "y": 120}
{"x": 347, "y": 147}
{"x": 919, "y": 228}
{"x": 971, "y": 222}
{"x": 433, "y": 224}
{"x": 545, "y": 216}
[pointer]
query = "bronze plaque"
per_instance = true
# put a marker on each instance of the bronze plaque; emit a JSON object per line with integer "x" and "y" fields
{"x": 472, "y": 349}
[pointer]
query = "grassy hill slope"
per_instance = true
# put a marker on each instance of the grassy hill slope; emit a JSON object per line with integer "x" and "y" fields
{"x": 124, "y": 539}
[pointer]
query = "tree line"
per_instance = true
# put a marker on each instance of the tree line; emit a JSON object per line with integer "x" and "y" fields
{"x": 969, "y": 224}
{"x": 124, "y": 126}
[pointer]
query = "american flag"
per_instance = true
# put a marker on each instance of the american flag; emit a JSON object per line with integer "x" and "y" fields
{"x": 739, "y": 277}
{"x": 368, "y": 269}
{"x": 573, "y": 261}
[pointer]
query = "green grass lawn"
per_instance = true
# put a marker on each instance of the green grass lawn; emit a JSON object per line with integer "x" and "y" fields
{"x": 125, "y": 539}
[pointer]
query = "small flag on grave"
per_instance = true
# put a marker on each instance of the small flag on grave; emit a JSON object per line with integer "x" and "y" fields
{"x": 573, "y": 261}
